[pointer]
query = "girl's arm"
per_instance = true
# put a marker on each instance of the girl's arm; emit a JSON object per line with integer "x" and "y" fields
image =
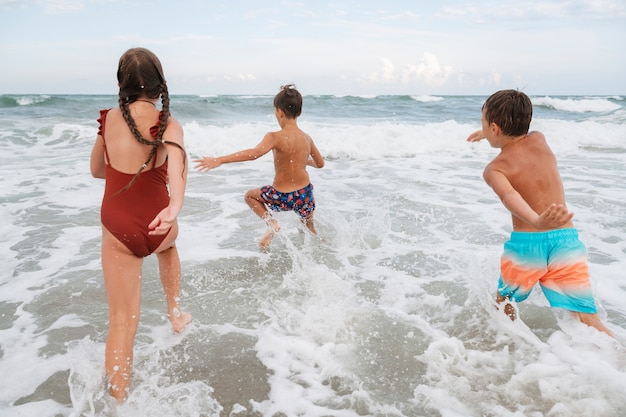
{"x": 96, "y": 162}
{"x": 177, "y": 177}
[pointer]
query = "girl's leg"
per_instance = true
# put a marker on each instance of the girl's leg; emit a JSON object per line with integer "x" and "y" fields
{"x": 169, "y": 271}
{"x": 122, "y": 279}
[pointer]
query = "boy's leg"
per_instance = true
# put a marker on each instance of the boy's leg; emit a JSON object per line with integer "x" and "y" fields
{"x": 593, "y": 320}
{"x": 568, "y": 284}
{"x": 122, "y": 280}
{"x": 169, "y": 271}
{"x": 256, "y": 203}
{"x": 308, "y": 222}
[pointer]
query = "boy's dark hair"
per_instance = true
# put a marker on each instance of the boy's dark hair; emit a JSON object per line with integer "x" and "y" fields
{"x": 511, "y": 110}
{"x": 289, "y": 100}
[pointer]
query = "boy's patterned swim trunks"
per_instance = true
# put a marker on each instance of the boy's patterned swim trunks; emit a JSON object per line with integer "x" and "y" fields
{"x": 556, "y": 259}
{"x": 300, "y": 201}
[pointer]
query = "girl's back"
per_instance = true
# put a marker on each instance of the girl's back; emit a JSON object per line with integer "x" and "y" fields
{"x": 126, "y": 153}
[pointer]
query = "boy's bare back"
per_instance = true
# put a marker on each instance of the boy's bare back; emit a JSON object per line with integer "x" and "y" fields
{"x": 291, "y": 149}
{"x": 526, "y": 165}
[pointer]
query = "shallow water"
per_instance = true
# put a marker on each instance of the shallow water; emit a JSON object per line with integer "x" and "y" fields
{"x": 388, "y": 313}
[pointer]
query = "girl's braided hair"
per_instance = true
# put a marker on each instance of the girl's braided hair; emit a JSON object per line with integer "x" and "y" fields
{"x": 140, "y": 74}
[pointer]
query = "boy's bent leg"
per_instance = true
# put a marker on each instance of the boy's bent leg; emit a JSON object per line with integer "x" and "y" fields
{"x": 122, "y": 279}
{"x": 256, "y": 203}
{"x": 169, "y": 271}
{"x": 272, "y": 227}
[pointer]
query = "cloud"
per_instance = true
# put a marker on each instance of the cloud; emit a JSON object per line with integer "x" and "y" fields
{"x": 613, "y": 7}
{"x": 246, "y": 77}
{"x": 492, "y": 79}
{"x": 64, "y": 6}
{"x": 386, "y": 74}
{"x": 496, "y": 77}
{"x": 429, "y": 70}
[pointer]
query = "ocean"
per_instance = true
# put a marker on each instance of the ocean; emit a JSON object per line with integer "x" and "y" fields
{"x": 389, "y": 313}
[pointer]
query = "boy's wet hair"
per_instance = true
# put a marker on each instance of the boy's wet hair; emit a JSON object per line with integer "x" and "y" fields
{"x": 511, "y": 110}
{"x": 289, "y": 100}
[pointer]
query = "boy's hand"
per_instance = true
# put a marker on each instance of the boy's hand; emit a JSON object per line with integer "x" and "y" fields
{"x": 554, "y": 217}
{"x": 476, "y": 136}
{"x": 206, "y": 163}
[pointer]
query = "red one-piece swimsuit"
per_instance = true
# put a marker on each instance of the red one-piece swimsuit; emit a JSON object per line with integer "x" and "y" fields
{"x": 127, "y": 214}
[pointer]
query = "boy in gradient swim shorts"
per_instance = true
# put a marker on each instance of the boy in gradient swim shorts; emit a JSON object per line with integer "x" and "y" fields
{"x": 293, "y": 151}
{"x": 544, "y": 245}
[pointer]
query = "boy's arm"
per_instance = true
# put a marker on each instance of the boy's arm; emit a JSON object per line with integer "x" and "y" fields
{"x": 555, "y": 216}
{"x": 316, "y": 160}
{"x": 207, "y": 163}
{"x": 476, "y": 136}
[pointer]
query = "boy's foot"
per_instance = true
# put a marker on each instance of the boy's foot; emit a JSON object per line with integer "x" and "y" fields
{"x": 509, "y": 310}
{"x": 272, "y": 227}
{"x": 265, "y": 241}
{"x": 179, "y": 320}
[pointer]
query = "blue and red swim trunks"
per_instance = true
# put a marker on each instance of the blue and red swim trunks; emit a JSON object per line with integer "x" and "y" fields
{"x": 301, "y": 201}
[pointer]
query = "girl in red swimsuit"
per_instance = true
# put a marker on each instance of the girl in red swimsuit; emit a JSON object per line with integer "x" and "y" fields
{"x": 137, "y": 151}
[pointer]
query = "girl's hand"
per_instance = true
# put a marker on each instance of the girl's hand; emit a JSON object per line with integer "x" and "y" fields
{"x": 163, "y": 222}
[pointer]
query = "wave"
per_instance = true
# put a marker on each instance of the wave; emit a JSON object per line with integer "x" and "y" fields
{"x": 427, "y": 98}
{"x": 382, "y": 140}
{"x": 22, "y": 100}
{"x": 583, "y": 105}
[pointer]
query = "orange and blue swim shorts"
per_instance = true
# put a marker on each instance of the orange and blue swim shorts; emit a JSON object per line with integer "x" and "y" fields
{"x": 556, "y": 259}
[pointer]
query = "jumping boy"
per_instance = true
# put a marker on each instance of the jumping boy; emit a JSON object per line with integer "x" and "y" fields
{"x": 544, "y": 245}
{"x": 293, "y": 150}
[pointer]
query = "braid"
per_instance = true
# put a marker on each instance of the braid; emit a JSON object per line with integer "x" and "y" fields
{"x": 140, "y": 74}
{"x": 165, "y": 114}
{"x": 133, "y": 128}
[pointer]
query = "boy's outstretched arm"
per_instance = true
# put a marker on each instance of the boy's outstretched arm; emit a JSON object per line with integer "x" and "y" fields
{"x": 208, "y": 162}
{"x": 476, "y": 136}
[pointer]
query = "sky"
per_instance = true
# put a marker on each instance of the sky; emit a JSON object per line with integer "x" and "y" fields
{"x": 339, "y": 47}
